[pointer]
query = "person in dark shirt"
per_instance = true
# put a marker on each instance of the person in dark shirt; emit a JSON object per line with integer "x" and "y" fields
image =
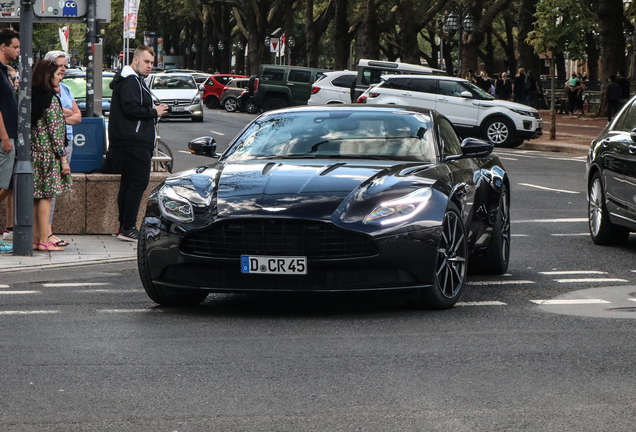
{"x": 518, "y": 86}
{"x": 503, "y": 87}
{"x": 613, "y": 95}
{"x": 624, "y": 85}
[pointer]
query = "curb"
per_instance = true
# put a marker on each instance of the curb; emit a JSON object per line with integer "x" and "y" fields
{"x": 38, "y": 267}
{"x": 556, "y": 147}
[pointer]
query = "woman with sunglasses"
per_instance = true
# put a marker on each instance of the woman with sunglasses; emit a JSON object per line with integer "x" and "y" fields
{"x": 72, "y": 116}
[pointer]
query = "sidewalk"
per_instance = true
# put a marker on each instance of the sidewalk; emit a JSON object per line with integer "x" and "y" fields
{"x": 82, "y": 250}
{"x": 573, "y": 134}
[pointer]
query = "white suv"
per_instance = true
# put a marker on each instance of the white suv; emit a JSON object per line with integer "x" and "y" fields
{"x": 472, "y": 111}
{"x": 332, "y": 87}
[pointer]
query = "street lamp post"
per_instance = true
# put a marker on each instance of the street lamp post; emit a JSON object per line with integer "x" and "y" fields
{"x": 461, "y": 21}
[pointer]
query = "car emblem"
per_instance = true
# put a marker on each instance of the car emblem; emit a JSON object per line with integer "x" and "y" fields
{"x": 175, "y": 103}
{"x": 274, "y": 209}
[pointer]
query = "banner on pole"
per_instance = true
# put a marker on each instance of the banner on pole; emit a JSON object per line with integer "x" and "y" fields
{"x": 64, "y": 38}
{"x": 131, "y": 10}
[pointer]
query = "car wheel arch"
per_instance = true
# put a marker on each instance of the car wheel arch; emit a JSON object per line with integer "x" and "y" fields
{"x": 497, "y": 115}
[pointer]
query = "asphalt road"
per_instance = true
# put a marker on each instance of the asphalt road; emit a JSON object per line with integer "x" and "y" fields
{"x": 547, "y": 347}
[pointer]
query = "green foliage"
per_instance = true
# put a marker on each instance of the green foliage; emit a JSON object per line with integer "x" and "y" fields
{"x": 561, "y": 25}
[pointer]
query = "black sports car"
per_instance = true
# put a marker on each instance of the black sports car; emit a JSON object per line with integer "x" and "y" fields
{"x": 330, "y": 199}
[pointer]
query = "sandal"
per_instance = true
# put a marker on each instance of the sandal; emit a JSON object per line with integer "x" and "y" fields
{"x": 59, "y": 242}
{"x": 49, "y": 245}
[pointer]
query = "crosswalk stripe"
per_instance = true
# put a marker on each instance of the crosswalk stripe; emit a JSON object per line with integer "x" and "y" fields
{"x": 500, "y": 282}
{"x": 571, "y": 272}
{"x": 586, "y": 280}
{"x": 570, "y": 302}
{"x": 481, "y": 303}
{"x": 35, "y": 312}
{"x": 562, "y": 220}
{"x": 128, "y": 310}
{"x": 19, "y": 292}
{"x": 74, "y": 284}
{"x": 4, "y": 286}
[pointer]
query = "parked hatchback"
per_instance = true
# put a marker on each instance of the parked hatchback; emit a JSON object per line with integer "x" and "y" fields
{"x": 611, "y": 179}
{"x": 231, "y": 92}
{"x": 332, "y": 87}
{"x": 213, "y": 87}
{"x": 472, "y": 111}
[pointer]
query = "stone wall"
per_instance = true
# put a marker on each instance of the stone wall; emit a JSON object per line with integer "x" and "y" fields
{"x": 92, "y": 206}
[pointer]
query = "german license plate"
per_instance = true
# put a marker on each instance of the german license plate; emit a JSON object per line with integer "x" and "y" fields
{"x": 178, "y": 108}
{"x": 273, "y": 265}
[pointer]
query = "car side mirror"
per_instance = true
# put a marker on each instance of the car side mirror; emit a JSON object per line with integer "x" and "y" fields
{"x": 201, "y": 87}
{"x": 466, "y": 94}
{"x": 473, "y": 148}
{"x": 204, "y": 146}
{"x": 632, "y": 134}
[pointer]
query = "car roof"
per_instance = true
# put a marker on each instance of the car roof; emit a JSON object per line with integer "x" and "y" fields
{"x": 83, "y": 75}
{"x": 445, "y": 78}
{"x": 175, "y": 74}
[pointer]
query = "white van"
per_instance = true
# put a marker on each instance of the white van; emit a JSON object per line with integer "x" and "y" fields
{"x": 370, "y": 71}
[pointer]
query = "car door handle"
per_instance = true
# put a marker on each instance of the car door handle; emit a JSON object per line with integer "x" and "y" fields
{"x": 290, "y": 84}
{"x": 632, "y": 149}
{"x": 405, "y": 94}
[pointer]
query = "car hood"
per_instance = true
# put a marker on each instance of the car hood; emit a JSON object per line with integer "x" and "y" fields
{"x": 164, "y": 94}
{"x": 498, "y": 103}
{"x": 308, "y": 189}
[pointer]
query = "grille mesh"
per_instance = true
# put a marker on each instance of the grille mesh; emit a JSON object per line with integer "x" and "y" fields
{"x": 277, "y": 237}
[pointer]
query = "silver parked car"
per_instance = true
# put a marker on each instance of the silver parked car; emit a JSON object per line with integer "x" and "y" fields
{"x": 180, "y": 92}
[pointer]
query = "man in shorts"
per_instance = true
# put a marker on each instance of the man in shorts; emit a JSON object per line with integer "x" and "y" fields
{"x": 9, "y": 51}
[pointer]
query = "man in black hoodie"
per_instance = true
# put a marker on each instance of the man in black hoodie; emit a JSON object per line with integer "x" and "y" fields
{"x": 131, "y": 134}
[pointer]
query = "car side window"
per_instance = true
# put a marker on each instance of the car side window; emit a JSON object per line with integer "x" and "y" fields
{"x": 450, "y": 88}
{"x": 300, "y": 76}
{"x": 450, "y": 141}
{"x": 424, "y": 85}
{"x": 396, "y": 84}
{"x": 627, "y": 121}
{"x": 344, "y": 81}
{"x": 270, "y": 74}
{"x": 372, "y": 76}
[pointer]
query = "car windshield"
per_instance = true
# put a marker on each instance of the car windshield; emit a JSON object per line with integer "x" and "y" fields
{"x": 340, "y": 133}
{"x": 77, "y": 86}
{"x": 174, "y": 83}
{"x": 474, "y": 89}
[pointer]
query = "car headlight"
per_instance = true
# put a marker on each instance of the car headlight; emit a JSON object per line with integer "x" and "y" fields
{"x": 399, "y": 209}
{"x": 175, "y": 207}
{"x": 522, "y": 112}
{"x": 196, "y": 100}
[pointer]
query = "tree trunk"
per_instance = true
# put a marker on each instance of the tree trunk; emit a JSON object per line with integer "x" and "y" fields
{"x": 612, "y": 43}
{"x": 593, "y": 56}
{"x": 312, "y": 42}
{"x": 409, "y": 26}
{"x": 341, "y": 37}
{"x": 527, "y": 58}
{"x": 370, "y": 33}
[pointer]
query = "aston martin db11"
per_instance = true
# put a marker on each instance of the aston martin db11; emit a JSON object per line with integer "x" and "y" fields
{"x": 337, "y": 198}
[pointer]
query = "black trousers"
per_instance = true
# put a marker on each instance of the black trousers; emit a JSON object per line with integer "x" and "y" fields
{"x": 613, "y": 107}
{"x": 134, "y": 164}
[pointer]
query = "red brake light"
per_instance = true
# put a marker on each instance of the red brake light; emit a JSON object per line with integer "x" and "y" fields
{"x": 374, "y": 95}
{"x": 255, "y": 85}
{"x": 315, "y": 89}
{"x": 362, "y": 99}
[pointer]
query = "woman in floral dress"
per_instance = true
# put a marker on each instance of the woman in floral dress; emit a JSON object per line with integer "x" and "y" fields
{"x": 51, "y": 171}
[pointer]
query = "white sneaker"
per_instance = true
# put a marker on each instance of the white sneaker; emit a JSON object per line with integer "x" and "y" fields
{"x": 7, "y": 235}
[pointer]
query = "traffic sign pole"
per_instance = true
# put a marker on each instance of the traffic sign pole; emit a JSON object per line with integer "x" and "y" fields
{"x": 23, "y": 173}
{"x": 91, "y": 40}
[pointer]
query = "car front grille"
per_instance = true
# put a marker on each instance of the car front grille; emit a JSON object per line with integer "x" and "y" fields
{"x": 277, "y": 237}
{"x": 177, "y": 102}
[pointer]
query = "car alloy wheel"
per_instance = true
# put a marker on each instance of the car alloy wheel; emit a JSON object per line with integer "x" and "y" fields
{"x": 231, "y": 104}
{"x": 500, "y": 132}
{"x": 596, "y": 207}
{"x": 602, "y": 230}
{"x": 451, "y": 256}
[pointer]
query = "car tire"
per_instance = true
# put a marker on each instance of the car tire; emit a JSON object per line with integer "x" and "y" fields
{"x": 211, "y": 102}
{"x": 274, "y": 103}
{"x": 451, "y": 264}
{"x": 499, "y": 131}
{"x": 159, "y": 294}
{"x": 602, "y": 230}
{"x": 495, "y": 259}
{"x": 230, "y": 104}
{"x": 250, "y": 107}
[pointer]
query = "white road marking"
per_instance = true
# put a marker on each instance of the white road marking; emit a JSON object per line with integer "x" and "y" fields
{"x": 589, "y": 280}
{"x": 519, "y": 235}
{"x": 4, "y": 286}
{"x": 128, "y": 310}
{"x": 19, "y": 292}
{"x": 500, "y": 282}
{"x": 106, "y": 291}
{"x": 217, "y": 133}
{"x": 563, "y": 220}
{"x": 571, "y": 272}
{"x": 508, "y": 158}
{"x": 547, "y": 188}
{"x": 74, "y": 284}
{"x": 632, "y": 299}
{"x": 35, "y": 312}
{"x": 184, "y": 151}
{"x": 481, "y": 303}
{"x": 568, "y": 159}
{"x": 569, "y": 302}
{"x": 571, "y": 235}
